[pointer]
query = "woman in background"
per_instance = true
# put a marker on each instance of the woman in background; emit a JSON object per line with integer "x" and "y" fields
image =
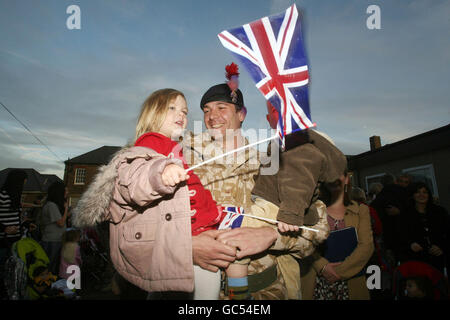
{"x": 340, "y": 280}
{"x": 54, "y": 218}
{"x": 426, "y": 229}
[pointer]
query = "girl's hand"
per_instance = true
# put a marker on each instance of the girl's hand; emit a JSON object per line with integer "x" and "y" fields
{"x": 173, "y": 174}
{"x": 416, "y": 247}
{"x": 284, "y": 227}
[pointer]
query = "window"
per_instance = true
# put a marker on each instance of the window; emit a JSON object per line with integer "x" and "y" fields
{"x": 372, "y": 179}
{"x": 424, "y": 174}
{"x": 80, "y": 176}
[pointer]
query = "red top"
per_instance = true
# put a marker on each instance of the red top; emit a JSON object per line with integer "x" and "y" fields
{"x": 205, "y": 214}
{"x": 377, "y": 227}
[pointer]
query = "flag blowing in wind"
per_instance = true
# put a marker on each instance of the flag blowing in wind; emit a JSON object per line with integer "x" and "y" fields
{"x": 272, "y": 51}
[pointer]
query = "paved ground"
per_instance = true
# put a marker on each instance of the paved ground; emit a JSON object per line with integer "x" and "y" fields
{"x": 99, "y": 295}
{"x": 103, "y": 291}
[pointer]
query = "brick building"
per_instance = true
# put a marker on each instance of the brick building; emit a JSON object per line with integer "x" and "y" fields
{"x": 425, "y": 157}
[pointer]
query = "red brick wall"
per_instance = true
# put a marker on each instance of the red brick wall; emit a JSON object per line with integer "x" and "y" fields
{"x": 76, "y": 190}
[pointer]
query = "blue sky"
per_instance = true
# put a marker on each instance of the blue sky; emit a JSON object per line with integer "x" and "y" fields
{"x": 78, "y": 90}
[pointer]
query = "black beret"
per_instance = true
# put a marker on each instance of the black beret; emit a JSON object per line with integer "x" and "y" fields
{"x": 221, "y": 92}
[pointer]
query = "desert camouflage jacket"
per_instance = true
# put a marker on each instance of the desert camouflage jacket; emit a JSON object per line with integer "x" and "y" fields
{"x": 231, "y": 180}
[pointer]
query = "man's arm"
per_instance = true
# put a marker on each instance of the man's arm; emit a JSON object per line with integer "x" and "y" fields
{"x": 356, "y": 261}
{"x": 211, "y": 254}
{"x": 250, "y": 241}
{"x": 302, "y": 244}
{"x": 60, "y": 222}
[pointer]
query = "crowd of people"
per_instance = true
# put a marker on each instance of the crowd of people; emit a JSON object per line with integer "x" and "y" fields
{"x": 173, "y": 235}
{"x": 408, "y": 226}
{"x": 38, "y": 234}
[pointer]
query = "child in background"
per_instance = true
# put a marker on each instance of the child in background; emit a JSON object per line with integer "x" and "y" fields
{"x": 41, "y": 287}
{"x": 418, "y": 288}
{"x": 70, "y": 252}
{"x": 46, "y": 286}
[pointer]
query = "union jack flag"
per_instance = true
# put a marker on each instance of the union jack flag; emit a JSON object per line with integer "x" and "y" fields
{"x": 233, "y": 217}
{"x": 272, "y": 51}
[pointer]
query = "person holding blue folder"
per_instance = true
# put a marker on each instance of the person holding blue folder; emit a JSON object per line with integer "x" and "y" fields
{"x": 335, "y": 271}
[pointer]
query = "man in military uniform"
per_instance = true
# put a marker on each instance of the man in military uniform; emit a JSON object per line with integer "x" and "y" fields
{"x": 231, "y": 180}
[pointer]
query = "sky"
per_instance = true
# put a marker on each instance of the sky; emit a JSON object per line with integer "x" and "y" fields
{"x": 80, "y": 89}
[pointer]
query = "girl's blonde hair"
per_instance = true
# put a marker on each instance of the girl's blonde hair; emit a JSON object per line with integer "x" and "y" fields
{"x": 154, "y": 110}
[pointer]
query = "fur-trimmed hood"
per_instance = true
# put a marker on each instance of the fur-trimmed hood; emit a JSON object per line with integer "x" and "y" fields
{"x": 150, "y": 238}
{"x": 93, "y": 207}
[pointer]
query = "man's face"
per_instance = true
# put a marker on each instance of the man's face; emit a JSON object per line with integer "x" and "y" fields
{"x": 222, "y": 116}
{"x": 403, "y": 182}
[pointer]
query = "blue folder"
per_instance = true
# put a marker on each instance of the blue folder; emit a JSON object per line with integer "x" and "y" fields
{"x": 340, "y": 244}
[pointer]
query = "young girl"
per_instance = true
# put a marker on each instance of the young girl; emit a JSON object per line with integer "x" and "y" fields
{"x": 161, "y": 122}
{"x": 70, "y": 252}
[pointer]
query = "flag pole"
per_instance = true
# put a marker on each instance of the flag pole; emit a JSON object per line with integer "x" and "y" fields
{"x": 231, "y": 152}
{"x": 242, "y": 148}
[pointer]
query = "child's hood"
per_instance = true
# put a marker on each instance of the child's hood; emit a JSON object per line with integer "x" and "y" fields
{"x": 93, "y": 206}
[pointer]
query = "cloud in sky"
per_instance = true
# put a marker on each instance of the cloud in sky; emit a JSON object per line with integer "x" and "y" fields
{"x": 81, "y": 89}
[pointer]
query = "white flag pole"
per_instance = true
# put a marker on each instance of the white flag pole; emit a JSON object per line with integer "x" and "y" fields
{"x": 230, "y": 152}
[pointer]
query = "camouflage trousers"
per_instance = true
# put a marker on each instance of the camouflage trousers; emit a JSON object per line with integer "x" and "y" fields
{"x": 277, "y": 290}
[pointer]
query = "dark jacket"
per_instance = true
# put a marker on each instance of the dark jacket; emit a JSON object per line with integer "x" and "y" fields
{"x": 431, "y": 228}
{"x": 396, "y": 196}
{"x": 295, "y": 186}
